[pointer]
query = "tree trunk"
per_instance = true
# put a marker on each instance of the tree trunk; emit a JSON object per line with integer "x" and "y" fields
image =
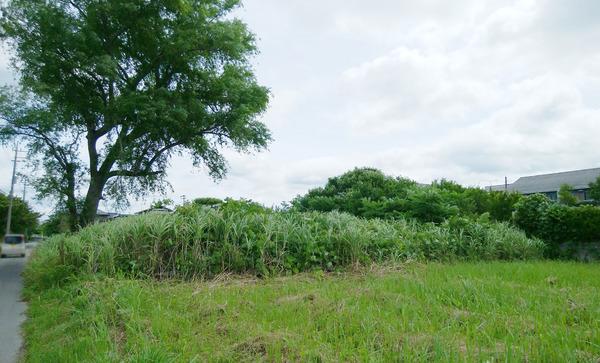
{"x": 92, "y": 200}
{"x": 73, "y": 215}
{"x": 71, "y": 199}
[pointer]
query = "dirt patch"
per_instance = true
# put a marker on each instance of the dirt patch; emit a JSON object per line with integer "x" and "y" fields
{"x": 258, "y": 347}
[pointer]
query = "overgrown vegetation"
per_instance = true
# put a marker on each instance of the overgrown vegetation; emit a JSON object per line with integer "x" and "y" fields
{"x": 558, "y": 223}
{"x": 595, "y": 190}
{"x": 244, "y": 237}
{"x": 465, "y": 312}
{"x": 369, "y": 193}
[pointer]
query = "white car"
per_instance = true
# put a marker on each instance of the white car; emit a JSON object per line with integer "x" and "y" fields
{"x": 13, "y": 245}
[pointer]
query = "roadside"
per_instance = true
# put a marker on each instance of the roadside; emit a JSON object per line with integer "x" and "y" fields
{"x": 12, "y": 308}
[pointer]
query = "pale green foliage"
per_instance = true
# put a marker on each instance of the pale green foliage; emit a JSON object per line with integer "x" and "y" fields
{"x": 565, "y": 195}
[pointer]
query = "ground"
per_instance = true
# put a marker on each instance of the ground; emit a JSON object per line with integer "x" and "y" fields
{"x": 541, "y": 311}
{"x": 12, "y": 308}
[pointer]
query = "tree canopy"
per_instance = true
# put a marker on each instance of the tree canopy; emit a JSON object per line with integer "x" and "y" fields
{"x": 110, "y": 90}
{"x": 24, "y": 219}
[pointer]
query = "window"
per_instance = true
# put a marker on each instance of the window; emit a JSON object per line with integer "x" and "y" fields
{"x": 551, "y": 195}
{"x": 13, "y": 240}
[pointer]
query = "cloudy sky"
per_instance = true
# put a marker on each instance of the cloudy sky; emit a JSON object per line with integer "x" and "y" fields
{"x": 468, "y": 90}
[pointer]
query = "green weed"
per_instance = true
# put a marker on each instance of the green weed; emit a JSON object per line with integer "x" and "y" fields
{"x": 245, "y": 238}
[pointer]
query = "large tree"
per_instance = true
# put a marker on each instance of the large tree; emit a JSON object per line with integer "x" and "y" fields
{"x": 110, "y": 90}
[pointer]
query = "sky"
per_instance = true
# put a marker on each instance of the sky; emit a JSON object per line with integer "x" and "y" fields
{"x": 466, "y": 90}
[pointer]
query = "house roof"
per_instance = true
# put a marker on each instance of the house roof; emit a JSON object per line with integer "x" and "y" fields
{"x": 101, "y": 213}
{"x": 156, "y": 210}
{"x": 578, "y": 179}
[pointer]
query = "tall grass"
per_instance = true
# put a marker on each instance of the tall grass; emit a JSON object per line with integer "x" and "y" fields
{"x": 241, "y": 238}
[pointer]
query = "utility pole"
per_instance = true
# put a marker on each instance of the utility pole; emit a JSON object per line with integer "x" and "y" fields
{"x": 12, "y": 190}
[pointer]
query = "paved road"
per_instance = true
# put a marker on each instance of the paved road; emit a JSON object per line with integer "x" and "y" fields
{"x": 12, "y": 309}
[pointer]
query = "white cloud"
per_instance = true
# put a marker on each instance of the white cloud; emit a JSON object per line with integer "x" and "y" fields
{"x": 465, "y": 89}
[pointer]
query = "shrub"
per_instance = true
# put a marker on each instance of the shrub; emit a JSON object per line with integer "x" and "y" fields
{"x": 243, "y": 237}
{"x": 557, "y": 223}
{"x": 565, "y": 195}
{"x": 595, "y": 190}
{"x": 502, "y": 205}
{"x": 428, "y": 205}
{"x": 361, "y": 192}
{"x": 529, "y": 214}
{"x": 207, "y": 201}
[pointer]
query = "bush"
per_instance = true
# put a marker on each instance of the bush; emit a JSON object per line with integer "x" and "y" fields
{"x": 243, "y": 237}
{"x": 361, "y": 192}
{"x": 558, "y": 223}
{"x": 502, "y": 205}
{"x": 529, "y": 214}
{"x": 428, "y": 205}
{"x": 208, "y": 201}
{"x": 565, "y": 195}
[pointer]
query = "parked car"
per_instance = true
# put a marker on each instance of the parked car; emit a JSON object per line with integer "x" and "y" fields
{"x": 34, "y": 241}
{"x": 13, "y": 245}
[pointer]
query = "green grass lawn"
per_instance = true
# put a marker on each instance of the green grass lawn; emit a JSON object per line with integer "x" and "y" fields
{"x": 540, "y": 311}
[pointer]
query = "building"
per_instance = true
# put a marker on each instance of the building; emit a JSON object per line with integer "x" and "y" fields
{"x": 102, "y": 216}
{"x": 163, "y": 210}
{"x": 549, "y": 184}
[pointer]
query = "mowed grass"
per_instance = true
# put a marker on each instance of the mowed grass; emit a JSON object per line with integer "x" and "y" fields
{"x": 492, "y": 311}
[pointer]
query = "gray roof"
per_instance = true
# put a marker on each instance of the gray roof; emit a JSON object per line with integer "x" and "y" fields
{"x": 578, "y": 179}
{"x": 156, "y": 210}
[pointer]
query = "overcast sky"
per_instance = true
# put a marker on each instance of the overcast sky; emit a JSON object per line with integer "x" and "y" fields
{"x": 468, "y": 90}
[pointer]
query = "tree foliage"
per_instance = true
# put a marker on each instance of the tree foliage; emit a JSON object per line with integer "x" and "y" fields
{"x": 162, "y": 203}
{"x": 565, "y": 195}
{"x": 24, "y": 219}
{"x": 369, "y": 193}
{"x": 57, "y": 223}
{"x": 110, "y": 90}
{"x": 595, "y": 190}
{"x": 365, "y": 192}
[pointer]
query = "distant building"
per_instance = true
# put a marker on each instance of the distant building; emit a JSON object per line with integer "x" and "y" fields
{"x": 102, "y": 216}
{"x": 549, "y": 184}
{"x": 164, "y": 210}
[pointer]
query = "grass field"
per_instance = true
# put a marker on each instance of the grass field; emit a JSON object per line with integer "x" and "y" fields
{"x": 492, "y": 311}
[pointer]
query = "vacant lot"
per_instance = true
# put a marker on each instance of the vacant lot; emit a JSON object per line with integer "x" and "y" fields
{"x": 540, "y": 311}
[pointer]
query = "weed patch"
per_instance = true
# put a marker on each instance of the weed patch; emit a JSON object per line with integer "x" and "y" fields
{"x": 204, "y": 243}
